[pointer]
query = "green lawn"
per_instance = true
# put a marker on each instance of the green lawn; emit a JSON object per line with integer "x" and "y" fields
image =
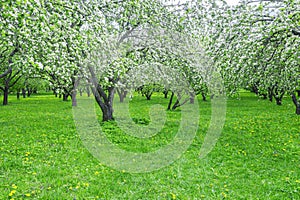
{"x": 256, "y": 157}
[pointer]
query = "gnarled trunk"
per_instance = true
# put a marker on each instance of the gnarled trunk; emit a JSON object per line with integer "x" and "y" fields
{"x": 296, "y": 103}
{"x": 105, "y": 101}
{"x": 107, "y": 112}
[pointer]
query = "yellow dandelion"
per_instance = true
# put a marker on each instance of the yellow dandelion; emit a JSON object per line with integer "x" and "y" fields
{"x": 27, "y": 195}
{"x": 86, "y": 184}
{"x": 14, "y": 186}
{"x": 96, "y": 173}
{"x": 12, "y": 193}
{"x": 297, "y": 181}
{"x": 49, "y": 188}
{"x": 173, "y": 196}
{"x": 224, "y": 194}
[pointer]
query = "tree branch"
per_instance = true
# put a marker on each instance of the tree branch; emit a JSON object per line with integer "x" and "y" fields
{"x": 12, "y": 84}
{"x": 6, "y": 72}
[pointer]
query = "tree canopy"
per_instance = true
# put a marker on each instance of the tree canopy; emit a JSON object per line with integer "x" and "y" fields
{"x": 254, "y": 44}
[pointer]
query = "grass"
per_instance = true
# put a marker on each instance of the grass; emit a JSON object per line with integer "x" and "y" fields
{"x": 256, "y": 157}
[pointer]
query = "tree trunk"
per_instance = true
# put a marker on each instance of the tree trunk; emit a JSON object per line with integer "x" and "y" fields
{"x": 270, "y": 93}
{"x": 28, "y": 92}
{"x": 74, "y": 98}
{"x": 74, "y": 91}
{"x": 298, "y": 110}
{"x": 278, "y": 96}
{"x": 165, "y": 94}
{"x": 88, "y": 91}
{"x": 106, "y": 105}
{"x": 148, "y": 96}
{"x": 23, "y": 92}
{"x": 65, "y": 97}
{"x": 254, "y": 89}
{"x": 5, "y": 95}
{"x": 264, "y": 96}
{"x": 176, "y": 104}
{"x": 18, "y": 94}
{"x": 122, "y": 97}
{"x": 105, "y": 101}
{"x": 107, "y": 112}
{"x": 296, "y": 103}
{"x": 122, "y": 94}
{"x": 192, "y": 98}
{"x": 170, "y": 101}
{"x": 278, "y": 101}
{"x": 298, "y": 91}
{"x": 203, "y": 96}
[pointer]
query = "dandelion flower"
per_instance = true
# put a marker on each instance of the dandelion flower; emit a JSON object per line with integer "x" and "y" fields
{"x": 173, "y": 196}
{"x": 12, "y": 193}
